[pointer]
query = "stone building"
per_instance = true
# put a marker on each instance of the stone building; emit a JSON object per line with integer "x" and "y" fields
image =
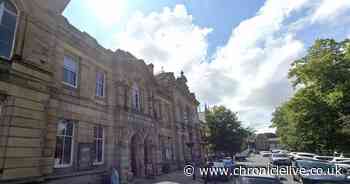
{"x": 71, "y": 110}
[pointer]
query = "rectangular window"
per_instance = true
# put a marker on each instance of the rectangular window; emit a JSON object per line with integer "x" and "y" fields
{"x": 98, "y": 144}
{"x": 8, "y": 23}
{"x": 64, "y": 144}
{"x": 100, "y": 84}
{"x": 70, "y": 72}
{"x": 1, "y": 106}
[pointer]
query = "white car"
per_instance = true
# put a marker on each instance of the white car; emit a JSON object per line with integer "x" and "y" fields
{"x": 292, "y": 154}
{"x": 324, "y": 158}
{"x": 279, "y": 151}
{"x": 303, "y": 156}
{"x": 265, "y": 153}
{"x": 344, "y": 164}
{"x": 339, "y": 159}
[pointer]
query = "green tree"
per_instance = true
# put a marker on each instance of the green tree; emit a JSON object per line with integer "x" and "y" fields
{"x": 226, "y": 133}
{"x": 315, "y": 118}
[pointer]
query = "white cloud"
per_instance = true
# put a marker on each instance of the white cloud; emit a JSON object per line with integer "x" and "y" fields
{"x": 168, "y": 39}
{"x": 108, "y": 12}
{"x": 257, "y": 57}
{"x": 330, "y": 10}
{"x": 249, "y": 73}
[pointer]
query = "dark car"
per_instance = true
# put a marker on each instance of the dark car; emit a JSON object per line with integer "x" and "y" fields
{"x": 258, "y": 180}
{"x": 324, "y": 178}
{"x": 280, "y": 159}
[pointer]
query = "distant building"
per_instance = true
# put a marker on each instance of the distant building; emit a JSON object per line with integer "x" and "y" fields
{"x": 262, "y": 141}
{"x": 274, "y": 143}
{"x": 204, "y": 134}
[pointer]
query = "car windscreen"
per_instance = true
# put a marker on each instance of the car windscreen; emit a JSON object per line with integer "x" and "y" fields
{"x": 279, "y": 155}
{"x": 324, "y": 158}
{"x": 305, "y": 155}
{"x": 246, "y": 180}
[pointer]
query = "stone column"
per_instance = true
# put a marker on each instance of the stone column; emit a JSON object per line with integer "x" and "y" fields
{"x": 124, "y": 160}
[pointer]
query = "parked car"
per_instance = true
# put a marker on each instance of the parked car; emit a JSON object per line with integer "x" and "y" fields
{"x": 339, "y": 159}
{"x": 280, "y": 159}
{"x": 279, "y": 151}
{"x": 344, "y": 164}
{"x": 308, "y": 178}
{"x": 292, "y": 154}
{"x": 229, "y": 163}
{"x": 265, "y": 153}
{"x": 258, "y": 180}
{"x": 324, "y": 158}
{"x": 303, "y": 156}
{"x": 276, "y": 151}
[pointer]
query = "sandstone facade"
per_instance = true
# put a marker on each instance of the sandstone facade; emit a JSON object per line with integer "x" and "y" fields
{"x": 71, "y": 110}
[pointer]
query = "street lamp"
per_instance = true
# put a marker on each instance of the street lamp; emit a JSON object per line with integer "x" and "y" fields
{"x": 190, "y": 145}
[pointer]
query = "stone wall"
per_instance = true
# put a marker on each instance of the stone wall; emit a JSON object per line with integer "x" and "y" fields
{"x": 33, "y": 100}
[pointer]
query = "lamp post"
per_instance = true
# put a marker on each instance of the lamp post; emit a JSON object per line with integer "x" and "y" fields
{"x": 190, "y": 145}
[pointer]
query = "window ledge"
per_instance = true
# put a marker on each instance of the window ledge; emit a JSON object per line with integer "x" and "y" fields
{"x": 69, "y": 85}
{"x": 73, "y": 174}
{"x": 98, "y": 163}
{"x": 62, "y": 166}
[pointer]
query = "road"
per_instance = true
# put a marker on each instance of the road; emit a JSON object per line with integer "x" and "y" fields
{"x": 179, "y": 177}
{"x": 259, "y": 161}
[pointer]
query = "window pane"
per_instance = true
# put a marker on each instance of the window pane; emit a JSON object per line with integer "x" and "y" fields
{"x": 66, "y": 76}
{"x": 59, "y": 150}
{"x": 8, "y": 20}
{"x": 69, "y": 77}
{"x": 6, "y": 35}
{"x": 100, "y": 132}
{"x": 70, "y": 64}
{"x": 9, "y": 6}
{"x": 95, "y": 132}
{"x": 61, "y": 128}
{"x": 5, "y": 50}
{"x": 69, "y": 131}
{"x": 99, "y": 89}
{"x": 67, "y": 150}
{"x": 99, "y": 77}
{"x": 99, "y": 150}
{"x": 100, "y": 84}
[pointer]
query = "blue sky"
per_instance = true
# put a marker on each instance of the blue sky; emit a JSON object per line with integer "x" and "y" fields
{"x": 221, "y": 15}
{"x": 234, "y": 53}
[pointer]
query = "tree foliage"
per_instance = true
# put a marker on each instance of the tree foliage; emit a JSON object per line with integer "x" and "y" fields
{"x": 314, "y": 119}
{"x": 226, "y": 133}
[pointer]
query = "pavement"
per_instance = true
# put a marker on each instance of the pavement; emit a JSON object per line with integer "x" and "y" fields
{"x": 178, "y": 177}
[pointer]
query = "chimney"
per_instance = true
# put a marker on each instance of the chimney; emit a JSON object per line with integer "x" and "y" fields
{"x": 151, "y": 68}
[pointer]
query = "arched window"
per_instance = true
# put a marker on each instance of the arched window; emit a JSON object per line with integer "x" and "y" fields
{"x": 8, "y": 22}
{"x": 136, "y": 102}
